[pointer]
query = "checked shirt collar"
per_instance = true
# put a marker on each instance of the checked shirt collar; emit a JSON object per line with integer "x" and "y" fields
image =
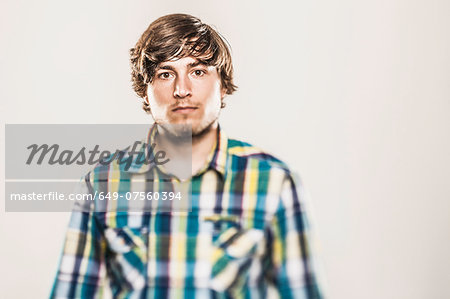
{"x": 217, "y": 158}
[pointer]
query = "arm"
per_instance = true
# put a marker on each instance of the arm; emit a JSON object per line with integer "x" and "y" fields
{"x": 292, "y": 266}
{"x": 81, "y": 272}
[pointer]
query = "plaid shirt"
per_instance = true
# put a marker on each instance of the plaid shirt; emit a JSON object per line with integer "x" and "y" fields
{"x": 246, "y": 230}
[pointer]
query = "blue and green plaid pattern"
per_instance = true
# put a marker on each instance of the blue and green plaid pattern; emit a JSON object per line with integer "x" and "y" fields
{"x": 246, "y": 231}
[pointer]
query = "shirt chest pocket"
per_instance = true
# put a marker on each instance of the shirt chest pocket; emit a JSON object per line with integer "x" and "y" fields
{"x": 126, "y": 239}
{"x": 234, "y": 250}
{"x": 127, "y": 255}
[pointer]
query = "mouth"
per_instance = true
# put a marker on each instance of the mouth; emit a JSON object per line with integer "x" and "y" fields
{"x": 184, "y": 109}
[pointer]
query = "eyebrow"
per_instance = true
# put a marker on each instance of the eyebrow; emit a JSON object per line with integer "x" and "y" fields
{"x": 194, "y": 64}
{"x": 165, "y": 67}
{"x": 190, "y": 65}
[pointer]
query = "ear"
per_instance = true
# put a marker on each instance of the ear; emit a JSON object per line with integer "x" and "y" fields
{"x": 223, "y": 93}
{"x": 146, "y": 106}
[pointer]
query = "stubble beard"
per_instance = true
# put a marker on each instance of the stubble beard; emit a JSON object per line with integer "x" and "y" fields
{"x": 198, "y": 134}
{"x": 179, "y": 133}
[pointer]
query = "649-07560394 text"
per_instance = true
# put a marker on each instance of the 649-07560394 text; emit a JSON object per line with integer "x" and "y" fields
{"x": 131, "y": 196}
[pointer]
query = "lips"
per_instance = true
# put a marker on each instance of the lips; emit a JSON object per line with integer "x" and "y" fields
{"x": 184, "y": 109}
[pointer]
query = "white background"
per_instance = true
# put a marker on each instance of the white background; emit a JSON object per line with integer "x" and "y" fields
{"x": 354, "y": 95}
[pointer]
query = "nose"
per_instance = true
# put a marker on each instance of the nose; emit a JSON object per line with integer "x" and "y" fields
{"x": 182, "y": 87}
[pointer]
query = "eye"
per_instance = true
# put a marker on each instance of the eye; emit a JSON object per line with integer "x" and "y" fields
{"x": 198, "y": 73}
{"x": 164, "y": 75}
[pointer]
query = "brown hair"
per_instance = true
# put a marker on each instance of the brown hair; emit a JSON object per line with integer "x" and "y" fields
{"x": 177, "y": 36}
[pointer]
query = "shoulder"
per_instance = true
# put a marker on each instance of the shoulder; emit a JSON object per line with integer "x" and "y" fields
{"x": 269, "y": 175}
{"x": 247, "y": 153}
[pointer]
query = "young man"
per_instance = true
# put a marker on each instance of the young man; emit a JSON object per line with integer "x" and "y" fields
{"x": 245, "y": 231}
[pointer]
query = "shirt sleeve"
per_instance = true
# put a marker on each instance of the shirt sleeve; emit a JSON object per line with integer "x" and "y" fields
{"x": 293, "y": 267}
{"x": 81, "y": 272}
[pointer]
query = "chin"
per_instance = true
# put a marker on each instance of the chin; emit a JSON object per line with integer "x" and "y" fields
{"x": 198, "y": 130}
{"x": 189, "y": 127}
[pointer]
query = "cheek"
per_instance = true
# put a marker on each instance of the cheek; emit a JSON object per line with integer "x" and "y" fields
{"x": 158, "y": 94}
{"x": 209, "y": 91}
{"x": 158, "y": 102}
{"x": 213, "y": 96}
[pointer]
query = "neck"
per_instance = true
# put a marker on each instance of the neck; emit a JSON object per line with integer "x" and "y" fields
{"x": 177, "y": 150}
{"x": 202, "y": 145}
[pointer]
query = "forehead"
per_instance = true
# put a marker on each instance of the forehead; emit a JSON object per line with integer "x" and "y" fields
{"x": 184, "y": 62}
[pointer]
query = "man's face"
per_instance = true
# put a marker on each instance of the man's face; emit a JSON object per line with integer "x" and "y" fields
{"x": 185, "y": 92}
